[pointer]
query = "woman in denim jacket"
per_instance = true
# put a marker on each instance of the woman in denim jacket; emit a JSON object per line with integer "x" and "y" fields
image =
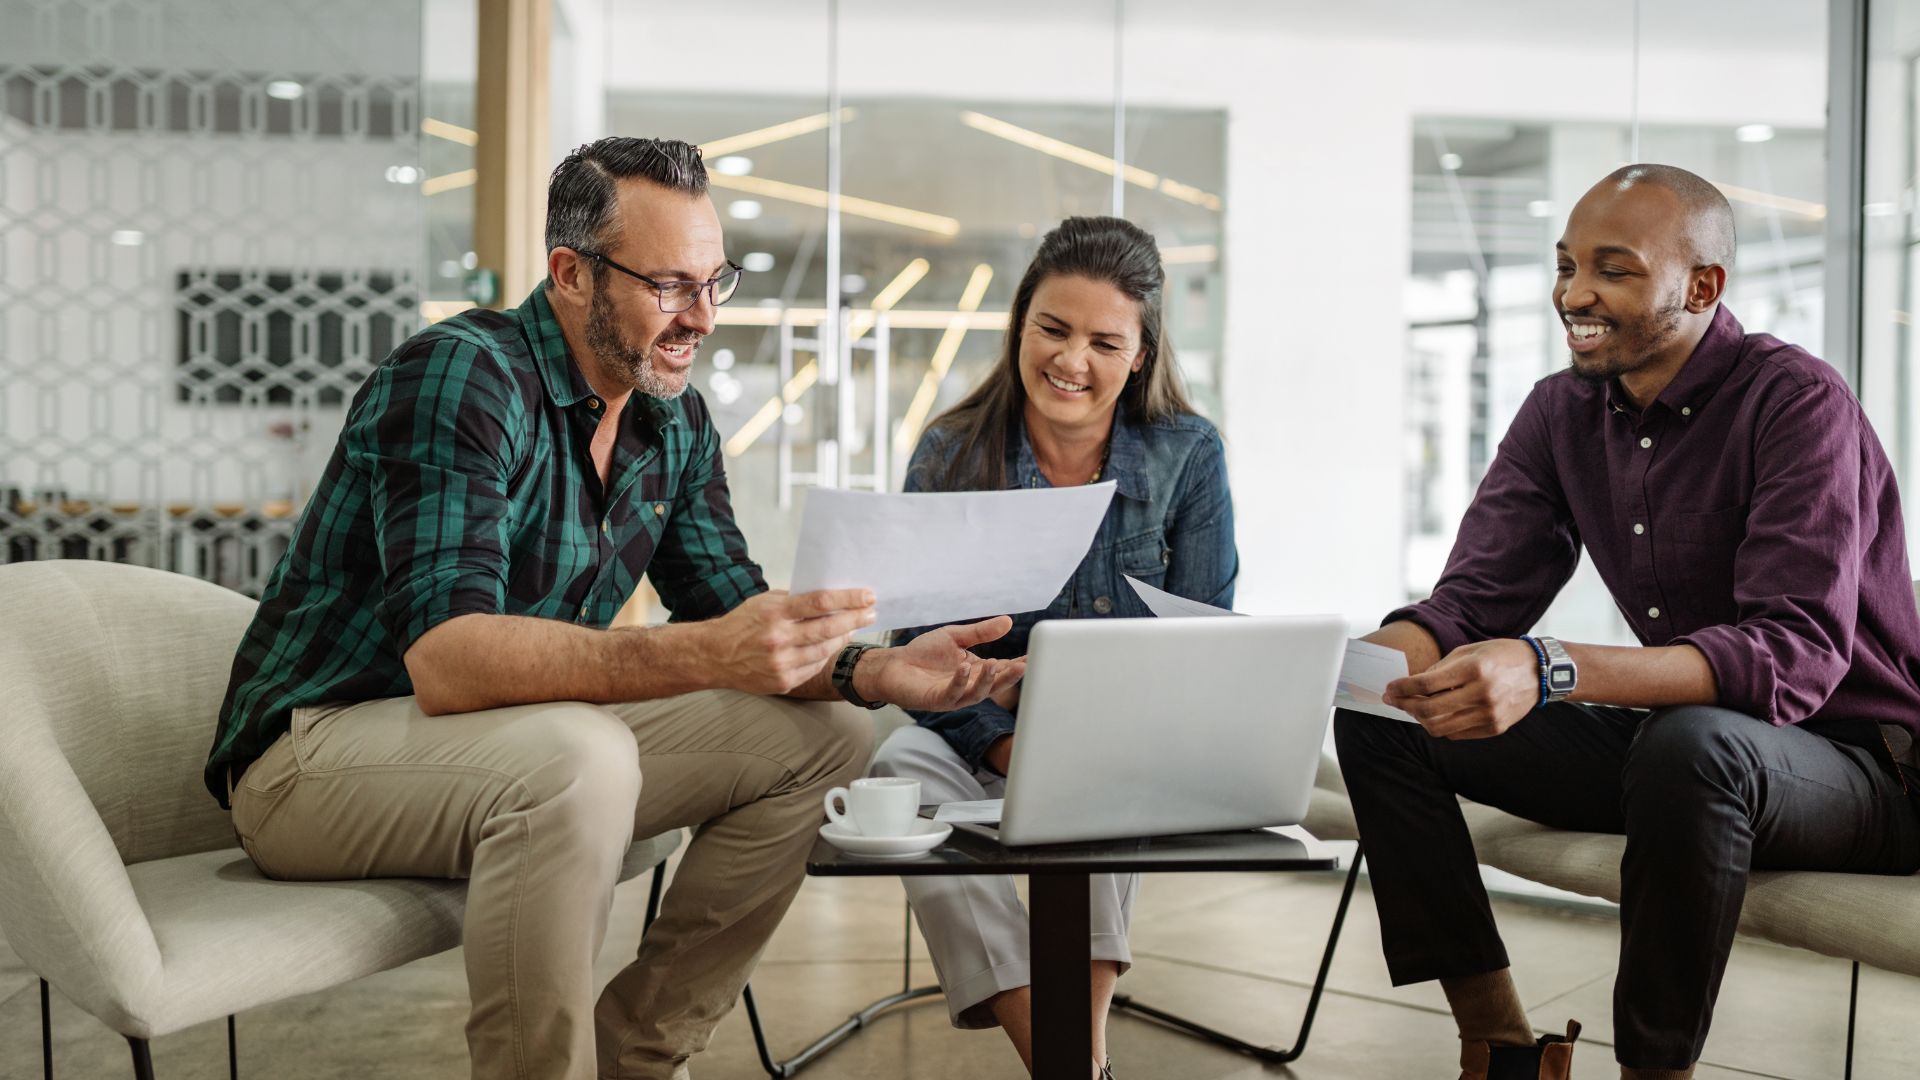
{"x": 1086, "y": 391}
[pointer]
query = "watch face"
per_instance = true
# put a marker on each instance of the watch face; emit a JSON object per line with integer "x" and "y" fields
{"x": 1561, "y": 678}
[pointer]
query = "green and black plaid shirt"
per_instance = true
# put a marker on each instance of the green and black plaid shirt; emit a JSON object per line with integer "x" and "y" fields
{"x": 462, "y": 483}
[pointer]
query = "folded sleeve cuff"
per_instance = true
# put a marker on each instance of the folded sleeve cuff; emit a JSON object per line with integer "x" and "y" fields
{"x": 1448, "y": 633}
{"x": 409, "y": 613}
{"x": 1743, "y": 674}
{"x": 970, "y": 731}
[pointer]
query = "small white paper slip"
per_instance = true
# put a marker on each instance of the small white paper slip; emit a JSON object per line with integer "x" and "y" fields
{"x": 1364, "y": 676}
{"x": 978, "y": 812}
{"x": 943, "y": 557}
{"x": 1166, "y": 605}
{"x": 1316, "y": 847}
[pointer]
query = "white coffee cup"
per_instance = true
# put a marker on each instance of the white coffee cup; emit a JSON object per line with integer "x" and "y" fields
{"x": 876, "y": 805}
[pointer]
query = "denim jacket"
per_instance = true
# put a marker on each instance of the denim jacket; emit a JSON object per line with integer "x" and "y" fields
{"x": 1170, "y": 524}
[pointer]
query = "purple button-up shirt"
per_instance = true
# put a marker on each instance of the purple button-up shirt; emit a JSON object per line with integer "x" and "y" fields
{"x": 1749, "y": 511}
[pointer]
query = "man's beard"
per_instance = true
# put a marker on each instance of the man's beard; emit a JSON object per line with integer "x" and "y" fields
{"x": 1634, "y": 343}
{"x": 611, "y": 348}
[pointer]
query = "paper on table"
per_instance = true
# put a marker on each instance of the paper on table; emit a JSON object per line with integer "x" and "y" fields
{"x": 947, "y": 556}
{"x": 977, "y": 812}
{"x": 1364, "y": 676}
{"x": 1364, "y": 672}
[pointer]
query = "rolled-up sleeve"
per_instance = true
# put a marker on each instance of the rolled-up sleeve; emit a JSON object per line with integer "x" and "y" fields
{"x": 433, "y": 436}
{"x": 701, "y": 568}
{"x": 1516, "y": 547}
{"x": 1797, "y": 569}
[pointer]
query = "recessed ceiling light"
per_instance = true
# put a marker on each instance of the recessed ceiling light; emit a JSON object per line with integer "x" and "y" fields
{"x": 757, "y": 261}
{"x": 1753, "y": 132}
{"x": 744, "y": 209}
{"x": 285, "y": 90}
{"x": 722, "y": 359}
{"x": 733, "y": 165}
{"x": 1450, "y": 162}
{"x": 403, "y": 174}
{"x": 853, "y": 283}
{"x": 128, "y": 237}
{"x": 793, "y": 414}
{"x": 1539, "y": 208}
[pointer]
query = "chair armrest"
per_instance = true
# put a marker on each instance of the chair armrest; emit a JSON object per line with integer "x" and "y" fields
{"x": 67, "y": 906}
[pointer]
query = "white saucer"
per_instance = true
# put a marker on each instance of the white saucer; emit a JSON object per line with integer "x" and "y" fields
{"x": 926, "y": 836}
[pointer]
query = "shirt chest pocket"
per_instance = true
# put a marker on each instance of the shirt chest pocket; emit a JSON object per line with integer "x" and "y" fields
{"x": 1144, "y": 556}
{"x": 1695, "y": 551}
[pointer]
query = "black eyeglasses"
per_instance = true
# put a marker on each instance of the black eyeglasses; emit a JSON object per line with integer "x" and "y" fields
{"x": 678, "y": 296}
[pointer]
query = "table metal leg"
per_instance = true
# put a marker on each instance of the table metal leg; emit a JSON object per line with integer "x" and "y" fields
{"x": 1059, "y": 933}
{"x": 1272, "y": 1055}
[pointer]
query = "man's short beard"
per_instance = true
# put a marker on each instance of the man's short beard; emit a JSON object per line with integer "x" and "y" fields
{"x": 611, "y": 349}
{"x": 1639, "y": 339}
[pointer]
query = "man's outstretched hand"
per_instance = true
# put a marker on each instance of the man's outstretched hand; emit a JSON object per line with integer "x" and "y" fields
{"x": 936, "y": 672}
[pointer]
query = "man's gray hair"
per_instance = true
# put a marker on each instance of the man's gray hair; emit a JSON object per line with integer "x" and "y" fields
{"x": 582, "y": 203}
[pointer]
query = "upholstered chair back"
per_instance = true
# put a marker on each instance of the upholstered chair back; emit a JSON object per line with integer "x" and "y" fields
{"x": 112, "y": 676}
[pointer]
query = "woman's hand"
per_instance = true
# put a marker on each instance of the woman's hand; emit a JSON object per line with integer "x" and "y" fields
{"x": 936, "y": 672}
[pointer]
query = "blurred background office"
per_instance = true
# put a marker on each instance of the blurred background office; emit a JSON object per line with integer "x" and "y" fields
{"x": 217, "y": 216}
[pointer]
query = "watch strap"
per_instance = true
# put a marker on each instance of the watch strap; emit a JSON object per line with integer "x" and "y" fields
{"x": 843, "y": 666}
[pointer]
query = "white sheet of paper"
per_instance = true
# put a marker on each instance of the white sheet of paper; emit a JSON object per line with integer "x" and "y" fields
{"x": 978, "y": 812}
{"x": 943, "y": 557}
{"x": 1168, "y": 606}
{"x": 1316, "y": 847}
{"x": 1364, "y": 676}
{"x": 1364, "y": 672}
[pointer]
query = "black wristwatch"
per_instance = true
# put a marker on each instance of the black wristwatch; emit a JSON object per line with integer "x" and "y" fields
{"x": 843, "y": 666}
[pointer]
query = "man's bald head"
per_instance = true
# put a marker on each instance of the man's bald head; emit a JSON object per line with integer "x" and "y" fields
{"x": 1706, "y": 218}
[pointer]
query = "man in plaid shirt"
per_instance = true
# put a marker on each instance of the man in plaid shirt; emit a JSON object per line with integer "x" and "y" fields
{"x": 501, "y": 483}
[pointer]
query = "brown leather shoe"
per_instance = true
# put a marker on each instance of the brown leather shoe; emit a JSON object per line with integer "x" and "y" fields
{"x": 1549, "y": 1058}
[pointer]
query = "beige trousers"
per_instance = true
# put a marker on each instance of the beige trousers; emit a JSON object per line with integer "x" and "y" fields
{"x": 536, "y": 805}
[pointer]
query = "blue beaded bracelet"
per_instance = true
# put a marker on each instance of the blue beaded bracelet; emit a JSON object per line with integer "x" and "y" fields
{"x": 1540, "y": 651}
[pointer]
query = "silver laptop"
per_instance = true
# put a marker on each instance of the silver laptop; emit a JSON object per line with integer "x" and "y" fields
{"x": 1150, "y": 727}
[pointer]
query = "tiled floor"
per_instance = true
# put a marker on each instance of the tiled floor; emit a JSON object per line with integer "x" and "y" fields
{"x": 1237, "y": 951}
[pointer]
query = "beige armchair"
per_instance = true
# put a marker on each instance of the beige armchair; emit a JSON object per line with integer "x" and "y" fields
{"x": 121, "y": 882}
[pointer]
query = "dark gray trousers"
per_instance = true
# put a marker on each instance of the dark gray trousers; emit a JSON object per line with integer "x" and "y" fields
{"x": 1702, "y": 794}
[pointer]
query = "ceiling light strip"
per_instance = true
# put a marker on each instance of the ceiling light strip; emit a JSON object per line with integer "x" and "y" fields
{"x": 449, "y": 132}
{"x": 792, "y": 129}
{"x": 1090, "y": 159}
{"x": 923, "y": 398}
{"x": 937, "y": 224}
{"x": 436, "y": 185}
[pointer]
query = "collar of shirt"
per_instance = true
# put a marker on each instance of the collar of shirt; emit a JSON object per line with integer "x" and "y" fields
{"x": 1126, "y": 460}
{"x": 561, "y": 374}
{"x": 1712, "y": 361}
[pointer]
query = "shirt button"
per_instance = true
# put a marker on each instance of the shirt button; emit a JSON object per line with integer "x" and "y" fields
{"x": 659, "y": 509}
{"x": 1686, "y": 410}
{"x": 593, "y": 403}
{"x": 1644, "y": 443}
{"x": 1638, "y": 529}
{"x": 583, "y": 611}
{"x": 1653, "y": 613}
{"x": 1102, "y": 605}
{"x": 1166, "y": 556}
{"x": 604, "y": 528}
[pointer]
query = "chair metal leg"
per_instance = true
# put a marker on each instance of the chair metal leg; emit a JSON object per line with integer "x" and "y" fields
{"x": 1853, "y": 1009}
{"x": 1272, "y": 1055}
{"x": 46, "y": 1032}
{"x": 653, "y": 896}
{"x": 142, "y": 1059}
{"x": 826, "y": 1042}
{"x": 233, "y": 1052}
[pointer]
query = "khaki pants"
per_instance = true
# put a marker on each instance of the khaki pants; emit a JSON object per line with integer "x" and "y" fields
{"x": 536, "y": 805}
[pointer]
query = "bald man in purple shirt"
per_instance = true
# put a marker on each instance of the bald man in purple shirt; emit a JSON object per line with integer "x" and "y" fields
{"x": 1734, "y": 499}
